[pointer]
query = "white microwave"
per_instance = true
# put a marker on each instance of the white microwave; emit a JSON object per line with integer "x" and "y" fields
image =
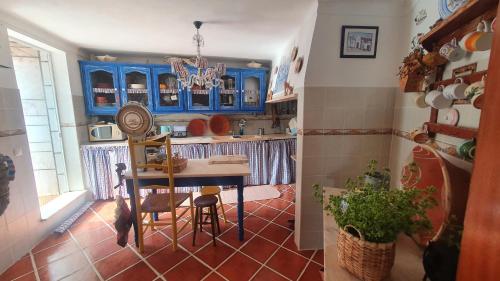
{"x": 105, "y": 132}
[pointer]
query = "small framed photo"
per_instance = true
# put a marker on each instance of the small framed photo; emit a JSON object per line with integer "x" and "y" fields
{"x": 359, "y": 41}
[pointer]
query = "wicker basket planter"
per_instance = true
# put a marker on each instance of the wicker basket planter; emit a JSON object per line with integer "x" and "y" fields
{"x": 367, "y": 261}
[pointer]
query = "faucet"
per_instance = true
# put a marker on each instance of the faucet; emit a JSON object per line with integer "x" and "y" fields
{"x": 242, "y": 124}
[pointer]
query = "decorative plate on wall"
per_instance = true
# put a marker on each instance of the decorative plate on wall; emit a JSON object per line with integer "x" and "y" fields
{"x": 298, "y": 64}
{"x": 197, "y": 127}
{"x": 295, "y": 51}
{"x": 452, "y": 117}
{"x": 134, "y": 119}
{"x": 219, "y": 125}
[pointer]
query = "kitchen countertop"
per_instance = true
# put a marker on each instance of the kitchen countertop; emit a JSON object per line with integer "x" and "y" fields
{"x": 407, "y": 264}
{"x": 208, "y": 139}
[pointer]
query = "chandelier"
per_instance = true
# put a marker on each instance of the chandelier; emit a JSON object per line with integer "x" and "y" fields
{"x": 205, "y": 77}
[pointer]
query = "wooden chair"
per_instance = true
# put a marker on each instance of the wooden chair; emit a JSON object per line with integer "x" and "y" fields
{"x": 157, "y": 202}
{"x": 214, "y": 190}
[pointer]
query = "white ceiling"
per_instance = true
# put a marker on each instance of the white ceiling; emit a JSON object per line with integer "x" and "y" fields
{"x": 255, "y": 29}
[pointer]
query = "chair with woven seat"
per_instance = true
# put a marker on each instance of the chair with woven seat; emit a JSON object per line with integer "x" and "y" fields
{"x": 215, "y": 190}
{"x": 158, "y": 202}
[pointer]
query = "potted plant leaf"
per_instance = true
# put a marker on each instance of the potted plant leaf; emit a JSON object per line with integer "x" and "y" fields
{"x": 370, "y": 220}
{"x": 377, "y": 179}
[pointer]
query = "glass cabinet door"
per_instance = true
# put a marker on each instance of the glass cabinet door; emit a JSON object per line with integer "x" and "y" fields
{"x": 167, "y": 95}
{"x": 199, "y": 98}
{"x": 136, "y": 84}
{"x": 101, "y": 85}
{"x": 228, "y": 93}
{"x": 252, "y": 90}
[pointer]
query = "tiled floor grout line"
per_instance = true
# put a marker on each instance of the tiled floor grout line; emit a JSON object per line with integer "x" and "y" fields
{"x": 86, "y": 256}
{"x": 133, "y": 250}
{"x": 307, "y": 264}
{"x": 33, "y": 264}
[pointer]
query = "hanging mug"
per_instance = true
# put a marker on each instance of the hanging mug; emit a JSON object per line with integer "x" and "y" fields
{"x": 479, "y": 40}
{"x": 455, "y": 90}
{"x": 467, "y": 149}
{"x": 451, "y": 51}
{"x": 436, "y": 99}
{"x": 476, "y": 88}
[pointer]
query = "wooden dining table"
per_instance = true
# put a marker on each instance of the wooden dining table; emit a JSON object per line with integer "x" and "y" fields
{"x": 197, "y": 173}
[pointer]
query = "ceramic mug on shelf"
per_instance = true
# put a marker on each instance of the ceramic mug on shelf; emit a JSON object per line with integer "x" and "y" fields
{"x": 436, "y": 99}
{"x": 455, "y": 90}
{"x": 479, "y": 40}
{"x": 467, "y": 149}
{"x": 420, "y": 100}
{"x": 451, "y": 51}
{"x": 478, "y": 101}
{"x": 476, "y": 88}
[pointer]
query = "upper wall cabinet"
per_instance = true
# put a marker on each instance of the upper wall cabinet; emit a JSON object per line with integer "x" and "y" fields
{"x": 253, "y": 89}
{"x": 167, "y": 96}
{"x": 135, "y": 84}
{"x": 227, "y": 95}
{"x": 108, "y": 86}
{"x": 100, "y": 85}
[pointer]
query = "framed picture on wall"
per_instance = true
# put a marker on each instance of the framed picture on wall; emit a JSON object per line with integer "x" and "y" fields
{"x": 359, "y": 42}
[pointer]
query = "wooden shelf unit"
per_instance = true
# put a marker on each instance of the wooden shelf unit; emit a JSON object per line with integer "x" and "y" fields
{"x": 458, "y": 24}
{"x": 468, "y": 79}
{"x": 458, "y": 132}
{"x": 283, "y": 98}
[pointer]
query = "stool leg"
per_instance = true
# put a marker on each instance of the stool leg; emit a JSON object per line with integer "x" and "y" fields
{"x": 222, "y": 208}
{"x": 212, "y": 222}
{"x": 152, "y": 221}
{"x": 195, "y": 225}
{"x": 217, "y": 219}
{"x": 201, "y": 219}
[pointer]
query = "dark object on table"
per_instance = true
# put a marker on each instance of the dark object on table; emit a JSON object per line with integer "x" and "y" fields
{"x": 120, "y": 167}
{"x": 440, "y": 261}
{"x": 206, "y": 201}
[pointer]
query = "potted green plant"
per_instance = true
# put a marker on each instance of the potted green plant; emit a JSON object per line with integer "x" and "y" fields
{"x": 370, "y": 219}
{"x": 375, "y": 178}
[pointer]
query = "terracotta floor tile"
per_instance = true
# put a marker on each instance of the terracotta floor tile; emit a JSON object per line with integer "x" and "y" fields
{"x": 288, "y": 196}
{"x": 267, "y": 213}
{"x": 238, "y": 267}
{"x": 231, "y": 237}
{"x": 232, "y": 215}
{"x": 287, "y": 263}
{"x": 90, "y": 224}
{"x": 265, "y": 274}
{"x": 154, "y": 242}
{"x": 84, "y": 274}
{"x": 51, "y": 240}
{"x": 319, "y": 257}
{"x": 27, "y": 277}
{"x": 189, "y": 270}
{"x": 251, "y": 206}
{"x": 290, "y": 244}
{"x": 214, "y": 277}
{"x": 103, "y": 249}
{"x": 63, "y": 267}
{"x": 255, "y": 224}
{"x": 55, "y": 253}
{"x": 278, "y": 204}
{"x": 21, "y": 267}
{"x": 275, "y": 233}
{"x": 283, "y": 219}
{"x": 259, "y": 249}
{"x": 312, "y": 273}
{"x": 213, "y": 256}
{"x": 117, "y": 262}
{"x": 202, "y": 238}
{"x": 168, "y": 231}
{"x": 138, "y": 272}
{"x": 291, "y": 209}
{"x": 166, "y": 258}
{"x": 94, "y": 236}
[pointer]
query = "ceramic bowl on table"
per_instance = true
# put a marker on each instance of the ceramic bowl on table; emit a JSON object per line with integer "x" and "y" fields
{"x": 455, "y": 90}
{"x": 436, "y": 99}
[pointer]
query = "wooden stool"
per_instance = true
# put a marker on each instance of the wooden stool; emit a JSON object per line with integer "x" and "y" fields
{"x": 215, "y": 190}
{"x": 206, "y": 201}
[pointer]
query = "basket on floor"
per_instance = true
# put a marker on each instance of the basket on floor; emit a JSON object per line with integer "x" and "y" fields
{"x": 367, "y": 261}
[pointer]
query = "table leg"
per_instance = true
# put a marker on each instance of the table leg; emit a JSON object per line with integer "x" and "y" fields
{"x": 241, "y": 230}
{"x": 130, "y": 191}
{"x": 155, "y": 215}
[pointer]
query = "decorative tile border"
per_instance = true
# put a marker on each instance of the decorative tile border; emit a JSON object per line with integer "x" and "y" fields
{"x": 10, "y": 133}
{"x": 336, "y": 132}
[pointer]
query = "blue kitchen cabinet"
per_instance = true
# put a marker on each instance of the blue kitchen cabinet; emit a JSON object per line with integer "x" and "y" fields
{"x": 135, "y": 85}
{"x": 101, "y": 88}
{"x": 253, "y": 90}
{"x": 227, "y": 95}
{"x": 167, "y": 95}
{"x": 199, "y": 99}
